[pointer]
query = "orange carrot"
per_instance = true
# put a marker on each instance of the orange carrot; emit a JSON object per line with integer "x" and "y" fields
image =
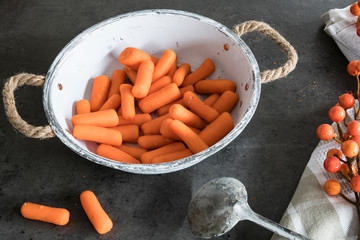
{"x": 210, "y": 100}
{"x": 173, "y": 69}
{"x": 131, "y": 74}
{"x": 172, "y": 156}
{"x": 165, "y": 109}
{"x": 153, "y": 127}
{"x": 198, "y": 107}
{"x": 83, "y": 106}
{"x": 214, "y": 86}
{"x": 159, "y": 98}
{"x": 129, "y": 133}
{"x": 226, "y": 102}
{"x": 189, "y": 118}
{"x": 112, "y": 103}
{"x": 139, "y": 119}
{"x": 127, "y": 102}
{"x": 97, "y": 134}
{"x": 136, "y": 152}
{"x": 143, "y": 79}
{"x": 106, "y": 118}
{"x": 164, "y": 64}
{"x": 218, "y": 129}
{"x": 99, "y": 92}
{"x": 183, "y": 90}
{"x": 166, "y": 131}
{"x": 173, "y": 147}
{"x": 115, "y": 154}
{"x": 154, "y": 141}
{"x": 133, "y": 57}
{"x": 58, "y": 216}
{"x": 96, "y": 214}
{"x": 191, "y": 139}
{"x": 205, "y": 69}
{"x": 118, "y": 78}
{"x": 180, "y": 73}
{"x": 195, "y": 130}
{"x": 162, "y": 82}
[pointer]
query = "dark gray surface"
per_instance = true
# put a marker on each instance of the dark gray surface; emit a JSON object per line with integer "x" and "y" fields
{"x": 268, "y": 157}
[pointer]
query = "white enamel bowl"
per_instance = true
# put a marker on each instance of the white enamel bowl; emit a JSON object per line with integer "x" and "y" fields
{"x": 95, "y": 51}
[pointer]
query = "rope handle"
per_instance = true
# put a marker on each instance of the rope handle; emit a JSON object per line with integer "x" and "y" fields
{"x": 265, "y": 29}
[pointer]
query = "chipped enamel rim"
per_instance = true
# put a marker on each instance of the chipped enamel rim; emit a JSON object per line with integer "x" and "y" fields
{"x": 150, "y": 168}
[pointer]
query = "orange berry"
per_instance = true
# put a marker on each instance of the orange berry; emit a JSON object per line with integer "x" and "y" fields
{"x": 336, "y": 114}
{"x": 332, "y": 187}
{"x": 354, "y": 128}
{"x": 351, "y": 68}
{"x": 332, "y": 164}
{"x": 345, "y": 169}
{"x": 346, "y": 100}
{"x": 356, "y": 139}
{"x": 355, "y": 9}
{"x": 350, "y": 148}
{"x": 355, "y": 183}
{"x": 334, "y": 152}
{"x": 325, "y": 132}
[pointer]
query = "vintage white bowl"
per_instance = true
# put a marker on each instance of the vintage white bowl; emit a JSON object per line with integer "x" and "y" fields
{"x": 95, "y": 51}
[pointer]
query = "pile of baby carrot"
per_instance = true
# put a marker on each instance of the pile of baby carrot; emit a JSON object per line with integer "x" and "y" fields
{"x": 119, "y": 112}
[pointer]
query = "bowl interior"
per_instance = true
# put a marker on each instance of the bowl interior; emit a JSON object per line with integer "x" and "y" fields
{"x": 95, "y": 51}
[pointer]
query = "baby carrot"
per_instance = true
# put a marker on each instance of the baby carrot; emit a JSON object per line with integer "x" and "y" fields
{"x": 191, "y": 139}
{"x": 189, "y": 118}
{"x": 214, "y": 86}
{"x": 154, "y": 141}
{"x": 143, "y": 79}
{"x": 129, "y": 133}
{"x": 96, "y": 214}
{"x": 210, "y": 100}
{"x": 165, "y": 109}
{"x": 218, "y": 129}
{"x": 172, "y": 147}
{"x": 136, "y": 152}
{"x": 159, "y": 98}
{"x": 58, "y": 216}
{"x": 113, "y": 102}
{"x": 226, "y": 102}
{"x": 139, "y": 119}
{"x": 118, "y": 78}
{"x": 173, "y": 69}
{"x": 180, "y": 73}
{"x": 133, "y": 57}
{"x": 97, "y": 134}
{"x": 198, "y": 107}
{"x": 115, "y": 154}
{"x": 127, "y": 102}
{"x": 83, "y": 106}
{"x": 166, "y": 131}
{"x": 205, "y": 69}
{"x": 152, "y": 127}
{"x": 162, "y": 82}
{"x": 99, "y": 92}
{"x": 131, "y": 74}
{"x": 106, "y": 118}
{"x": 164, "y": 64}
{"x": 183, "y": 90}
{"x": 172, "y": 156}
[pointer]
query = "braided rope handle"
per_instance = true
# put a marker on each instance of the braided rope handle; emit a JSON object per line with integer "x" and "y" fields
{"x": 289, "y": 66}
{"x": 11, "y": 112}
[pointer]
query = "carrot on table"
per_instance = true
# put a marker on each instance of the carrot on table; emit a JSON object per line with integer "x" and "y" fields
{"x": 143, "y": 79}
{"x": 147, "y": 157}
{"x": 183, "y": 90}
{"x": 99, "y": 92}
{"x": 118, "y": 78}
{"x": 210, "y": 86}
{"x": 165, "y": 109}
{"x": 218, "y": 129}
{"x": 172, "y": 156}
{"x": 131, "y": 74}
{"x": 198, "y": 107}
{"x": 134, "y": 151}
{"x": 189, "y": 118}
{"x": 159, "y": 98}
{"x": 113, "y": 102}
{"x": 96, "y": 214}
{"x": 129, "y": 133}
{"x": 173, "y": 69}
{"x": 127, "y": 102}
{"x": 113, "y": 153}
{"x": 154, "y": 141}
{"x": 58, "y": 216}
{"x": 166, "y": 131}
{"x": 204, "y": 70}
{"x": 97, "y": 134}
{"x": 210, "y": 100}
{"x": 191, "y": 139}
{"x": 152, "y": 127}
{"x": 133, "y": 57}
{"x": 180, "y": 73}
{"x": 106, "y": 118}
{"x": 226, "y": 102}
{"x": 164, "y": 64}
{"x": 82, "y": 106}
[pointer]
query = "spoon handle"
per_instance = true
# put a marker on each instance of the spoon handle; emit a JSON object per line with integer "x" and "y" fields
{"x": 275, "y": 227}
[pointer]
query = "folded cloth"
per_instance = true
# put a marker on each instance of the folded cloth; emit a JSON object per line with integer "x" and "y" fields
{"x": 340, "y": 24}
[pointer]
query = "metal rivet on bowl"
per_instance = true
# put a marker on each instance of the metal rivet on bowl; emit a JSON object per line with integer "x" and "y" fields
{"x": 60, "y": 86}
{"x": 226, "y": 46}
